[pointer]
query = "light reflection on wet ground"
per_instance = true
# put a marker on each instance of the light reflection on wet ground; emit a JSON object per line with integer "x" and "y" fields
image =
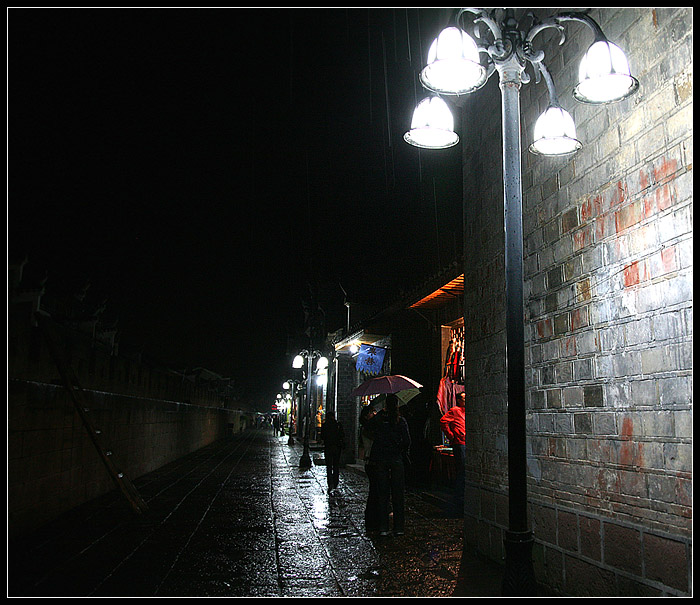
{"x": 240, "y": 518}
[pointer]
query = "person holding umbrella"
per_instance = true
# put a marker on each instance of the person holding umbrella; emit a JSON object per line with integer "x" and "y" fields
{"x": 391, "y": 443}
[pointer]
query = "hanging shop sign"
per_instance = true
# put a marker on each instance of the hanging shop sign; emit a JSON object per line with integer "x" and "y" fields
{"x": 370, "y": 359}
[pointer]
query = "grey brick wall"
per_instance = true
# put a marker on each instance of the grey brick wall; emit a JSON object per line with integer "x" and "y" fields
{"x": 608, "y": 286}
{"x": 347, "y": 410}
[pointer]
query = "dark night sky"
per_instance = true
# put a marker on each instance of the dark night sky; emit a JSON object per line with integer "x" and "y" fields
{"x": 205, "y": 168}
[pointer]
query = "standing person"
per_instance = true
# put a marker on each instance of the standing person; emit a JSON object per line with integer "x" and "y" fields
{"x": 333, "y": 444}
{"x": 454, "y": 426}
{"x": 391, "y": 443}
{"x": 276, "y": 424}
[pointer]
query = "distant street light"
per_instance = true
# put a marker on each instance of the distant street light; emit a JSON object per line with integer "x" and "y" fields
{"x": 291, "y": 385}
{"x": 453, "y": 69}
{"x": 298, "y": 363}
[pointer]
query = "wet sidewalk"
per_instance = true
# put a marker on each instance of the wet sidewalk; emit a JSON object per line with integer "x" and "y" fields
{"x": 240, "y": 518}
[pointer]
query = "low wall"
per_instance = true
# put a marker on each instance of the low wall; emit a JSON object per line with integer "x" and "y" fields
{"x": 53, "y": 465}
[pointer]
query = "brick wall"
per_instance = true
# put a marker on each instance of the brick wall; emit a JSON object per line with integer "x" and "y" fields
{"x": 608, "y": 286}
{"x": 347, "y": 410}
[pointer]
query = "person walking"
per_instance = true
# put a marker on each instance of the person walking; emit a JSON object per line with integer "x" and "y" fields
{"x": 392, "y": 441}
{"x": 454, "y": 426}
{"x": 276, "y": 424}
{"x": 333, "y": 443}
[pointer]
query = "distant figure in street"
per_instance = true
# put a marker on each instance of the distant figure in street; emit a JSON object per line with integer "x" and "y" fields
{"x": 333, "y": 444}
{"x": 454, "y": 426}
{"x": 391, "y": 444}
{"x": 276, "y": 424}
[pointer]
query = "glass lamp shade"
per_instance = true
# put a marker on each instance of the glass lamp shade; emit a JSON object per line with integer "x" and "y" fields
{"x": 432, "y": 126}
{"x": 604, "y": 75}
{"x": 555, "y": 133}
{"x": 298, "y": 362}
{"x": 453, "y": 64}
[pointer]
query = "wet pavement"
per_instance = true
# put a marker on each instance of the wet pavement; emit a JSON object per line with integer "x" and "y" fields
{"x": 240, "y": 518}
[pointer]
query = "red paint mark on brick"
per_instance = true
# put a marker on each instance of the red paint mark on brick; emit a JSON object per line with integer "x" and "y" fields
{"x": 598, "y": 205}
{"x": 668, "y": 259}
{"x": 630, "y": 451}
{"x": 579, "y": 318}
{"x": 600, "y": 227}
{"x": 627, "y": 428}
{"x": 586, "y": 209}
{"x": 665, "y": 169}
{"x": 664, "y": 197}
{"x": 643, "y": 179}
{"x": 631, "y": 274}
{"x": 618, "y": 193}
{"x": 582, "y": 238}
{"x": 569, "y": 347}
{"x": 544, "y": 328}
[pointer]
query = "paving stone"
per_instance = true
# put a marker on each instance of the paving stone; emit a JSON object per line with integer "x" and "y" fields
{"x": 239, "y": 518}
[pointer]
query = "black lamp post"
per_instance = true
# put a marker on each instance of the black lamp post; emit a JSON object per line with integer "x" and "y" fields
{"x": 298, "y": 363}
{"x": 455, "y": 68}
{"x": 292, "y": 385}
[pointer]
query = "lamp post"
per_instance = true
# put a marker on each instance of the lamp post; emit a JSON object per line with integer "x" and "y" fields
{"x": 298, "y": 363}
{"x": 292, "y": 385}
{"x": 455, "y": 68}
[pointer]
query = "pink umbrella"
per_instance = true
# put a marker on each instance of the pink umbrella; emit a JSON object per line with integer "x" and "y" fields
{"x": 385, "y": 384}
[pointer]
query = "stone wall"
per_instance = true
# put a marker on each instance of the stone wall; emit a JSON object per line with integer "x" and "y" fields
{"x": 608, "y": 287}
{"x": 53, "y": 465}
{"x": 347, "y": 409}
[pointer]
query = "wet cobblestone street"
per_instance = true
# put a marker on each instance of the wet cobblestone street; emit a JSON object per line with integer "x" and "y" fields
{"x": 240, "y": 518}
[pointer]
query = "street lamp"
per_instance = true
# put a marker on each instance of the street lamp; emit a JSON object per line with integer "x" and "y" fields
{"x": 432, "y": 126}
{"x": 604, "y": 77}
{"x": 292, "y": 385}
{"x": 298, "y": 363}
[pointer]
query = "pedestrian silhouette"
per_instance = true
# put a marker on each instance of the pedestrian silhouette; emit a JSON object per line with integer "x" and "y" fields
{"x": 333, "y": 443}
{"x": 392, "y": 441}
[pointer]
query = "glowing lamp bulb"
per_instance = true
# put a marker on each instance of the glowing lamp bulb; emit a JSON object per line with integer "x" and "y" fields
{"x": 555, "y": 133}
{"x": 604, "y": 75}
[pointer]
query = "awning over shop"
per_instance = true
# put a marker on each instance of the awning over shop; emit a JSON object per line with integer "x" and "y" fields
{"x": 359, "y": 338}
{"x": 451, "y": 290}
